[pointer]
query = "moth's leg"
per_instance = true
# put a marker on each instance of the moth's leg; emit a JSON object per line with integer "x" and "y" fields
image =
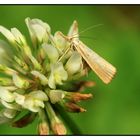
{"x": 64, "y": 54}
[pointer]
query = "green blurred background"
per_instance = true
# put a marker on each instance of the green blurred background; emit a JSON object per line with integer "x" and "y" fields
{"x": 115, "y": 108}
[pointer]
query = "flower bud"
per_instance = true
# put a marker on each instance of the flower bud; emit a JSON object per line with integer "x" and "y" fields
{"x": 58, "y": 127}
{"x": 56, "y": 95}
{"x": 32, "y": 101}
{"x": 32, "y": 104}
{"x": 43, "y": 128}
{"x": 18, "y": 36}
{"x": 56, "y": 124}
{"x": 59, "y": 41}
{"x": 58, "y": 74}
{"x": 77, "y": 97}
{"x": 43, "y": 78}
{"x": 6, "y": 95}
{"x": 72, "y": 107}
{"x": 39, "y": 95}
{"x": 74, "y": 64}
{"x": 38, "y": 30}
{"x": 11, "y": 106}
{"x": 19, "y": 99}
{"x": 9, "y": 113}
{"x": 51, "y": 52}
{"x": 10, "y": 37}
{"x": 19, "y": 82}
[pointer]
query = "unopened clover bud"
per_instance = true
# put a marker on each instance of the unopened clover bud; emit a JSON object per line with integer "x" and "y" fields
{"x": 56, "y": 124}
{"x": 74, "y": 64}
{"x": 60, "y": 41}
{"x": 6, "y": 95}
{"x": 76, "y": 96}
{"x": 43, "y": 128}
{"x": 38, "y": 30}
{"x": 51, "y": 52}
{"x": 58, "y": 127}
{"x": 43, "y": 78}
{"x": 18, "y": 36}
{"x": 20, "y": 82}
{"x": 58, "y": 74}
{"x": 9, "y": 113}
{"x": 56, "y": 95}
{"x": 72, "y": 107}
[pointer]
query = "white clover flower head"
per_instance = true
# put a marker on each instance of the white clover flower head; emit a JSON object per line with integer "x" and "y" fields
{"x": 36, "y": 78}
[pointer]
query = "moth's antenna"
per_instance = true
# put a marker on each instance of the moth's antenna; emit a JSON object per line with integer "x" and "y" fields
{"x": 86, "y": 37}
{"x": 88, "y": 28}
{"x": 91, "y": 27}
{"x": 52, "y": 41}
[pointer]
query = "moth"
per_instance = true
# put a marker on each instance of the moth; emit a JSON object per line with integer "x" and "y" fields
{"x": 99, "y": 65}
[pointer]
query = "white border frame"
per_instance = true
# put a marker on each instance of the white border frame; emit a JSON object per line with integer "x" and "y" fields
{"x": 69, "y": 2}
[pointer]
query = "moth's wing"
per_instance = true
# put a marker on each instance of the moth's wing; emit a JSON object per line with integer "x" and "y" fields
{"x": 73, "y": 31}
{"x": 100, "y": 66}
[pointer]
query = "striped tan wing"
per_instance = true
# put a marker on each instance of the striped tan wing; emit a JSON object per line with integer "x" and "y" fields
{"x": 99, "y": 65}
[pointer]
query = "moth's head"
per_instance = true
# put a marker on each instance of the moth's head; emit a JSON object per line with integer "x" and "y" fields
{"x": 68, "y": 38}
